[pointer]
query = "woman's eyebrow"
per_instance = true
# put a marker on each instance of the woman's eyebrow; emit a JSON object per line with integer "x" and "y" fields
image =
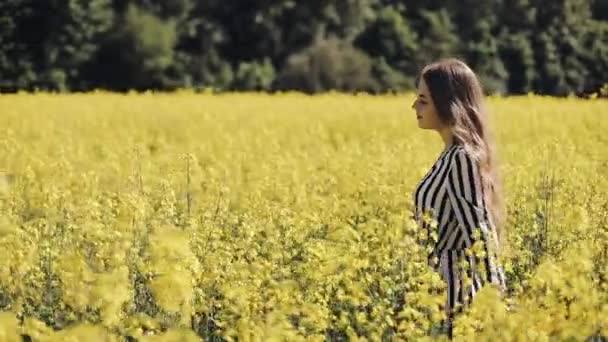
{"x": 421, "y": 95}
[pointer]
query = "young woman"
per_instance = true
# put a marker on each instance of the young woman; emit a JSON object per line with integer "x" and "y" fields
{"x": 460, "y": 192}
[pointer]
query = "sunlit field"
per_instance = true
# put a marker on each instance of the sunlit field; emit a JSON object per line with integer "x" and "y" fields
{"x": 250, "y": 217}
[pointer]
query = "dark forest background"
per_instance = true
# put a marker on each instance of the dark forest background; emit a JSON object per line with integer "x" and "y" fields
{"x": 554, "y": 47}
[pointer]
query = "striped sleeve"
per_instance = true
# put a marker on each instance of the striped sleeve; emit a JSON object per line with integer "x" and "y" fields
{"x": 465, "y": 194}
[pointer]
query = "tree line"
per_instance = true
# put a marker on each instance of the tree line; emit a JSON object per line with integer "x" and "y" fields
{"x": 555, "y": 47}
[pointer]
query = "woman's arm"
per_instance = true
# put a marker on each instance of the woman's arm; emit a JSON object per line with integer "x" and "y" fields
{"x": 465, "y": 195}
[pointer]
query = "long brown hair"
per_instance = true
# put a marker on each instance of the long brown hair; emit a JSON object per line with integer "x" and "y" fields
{"x": 458, "y": 96}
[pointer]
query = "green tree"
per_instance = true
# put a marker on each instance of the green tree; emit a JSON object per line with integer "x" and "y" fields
{"x": 439, "y": 38}
{"x": 392, "y": 43}
{"x": 50, "y": 56}
{"x": 328, "y": 64}
{"x": 254, "y": 76}
{"x": 518, "y": 57}
{"x": 477, "y": 26}
{"x": 561, "y": 26}
{"x": 595, "y": 58}
{"x": 137, "y": 53}
{"x": 516, "y": 46}
{"x": 517, "y": 26}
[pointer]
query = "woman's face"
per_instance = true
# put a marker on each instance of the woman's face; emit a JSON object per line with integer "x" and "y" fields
{"x": 426, "y": 113}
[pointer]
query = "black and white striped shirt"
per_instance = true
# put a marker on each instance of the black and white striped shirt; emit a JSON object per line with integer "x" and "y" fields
{"x": 451, "y": 194}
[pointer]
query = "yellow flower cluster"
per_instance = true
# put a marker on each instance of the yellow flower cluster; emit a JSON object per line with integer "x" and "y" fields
{"x": 252, "y": 217}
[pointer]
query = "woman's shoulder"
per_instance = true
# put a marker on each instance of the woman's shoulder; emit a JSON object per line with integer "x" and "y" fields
{"x": 459, "y": 154}
{"x": 456, "y": 151}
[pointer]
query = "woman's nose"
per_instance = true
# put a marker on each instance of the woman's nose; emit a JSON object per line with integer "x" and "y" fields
{"x": 414, "y": 104}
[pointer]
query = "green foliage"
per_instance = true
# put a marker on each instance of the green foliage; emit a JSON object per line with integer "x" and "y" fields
{"x": 254, "y": 76}
{"x": 50, "y": 56}
{"x": 141, "y": 50}
{"x": 516, "y": 47}
{"x": 152, "y": 40}
{"x": 595, "y": 56}
{"x": 477, "y": 25}
{"x": 558, "y": 50}
{"x": 439, "y": 39}
{"x": 518, "y": 55}
{"x": 330, "y": 64}
{"x": 394, "y": 45}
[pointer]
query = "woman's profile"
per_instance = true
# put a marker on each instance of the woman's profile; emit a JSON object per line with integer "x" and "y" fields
{"x": 461, "y": 190}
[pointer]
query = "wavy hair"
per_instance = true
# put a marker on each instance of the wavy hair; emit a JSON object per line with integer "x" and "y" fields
{"x": 458, "y": 96}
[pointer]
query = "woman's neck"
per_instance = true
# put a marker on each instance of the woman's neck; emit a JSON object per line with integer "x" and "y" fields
{"x": 446, "y": 136}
